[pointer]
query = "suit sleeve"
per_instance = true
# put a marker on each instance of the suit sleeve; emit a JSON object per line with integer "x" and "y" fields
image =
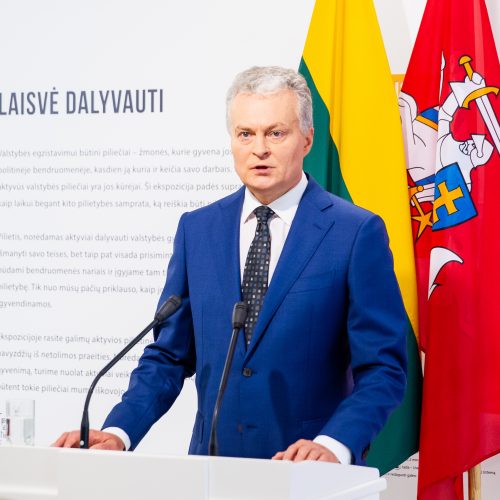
{"x": 376, "y": 328}
{"x": 158, "y": 379}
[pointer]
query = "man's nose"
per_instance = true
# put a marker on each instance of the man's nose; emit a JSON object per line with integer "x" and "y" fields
{"x": 260, "y": 146}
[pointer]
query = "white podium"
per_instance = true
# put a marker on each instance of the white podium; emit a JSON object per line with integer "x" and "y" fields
{"x": 51, "y": 473}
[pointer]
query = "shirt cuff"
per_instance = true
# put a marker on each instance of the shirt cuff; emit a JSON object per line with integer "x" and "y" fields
{"x": 121, "y": 434}
{"x": 341, "y": 451}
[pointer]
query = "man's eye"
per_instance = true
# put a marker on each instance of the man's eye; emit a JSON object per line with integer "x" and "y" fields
{"x": 244, "y": 134}
{"x": 276, "y": 134}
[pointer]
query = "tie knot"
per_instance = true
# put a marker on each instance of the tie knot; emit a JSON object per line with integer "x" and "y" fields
{"x": 263, "y": 214}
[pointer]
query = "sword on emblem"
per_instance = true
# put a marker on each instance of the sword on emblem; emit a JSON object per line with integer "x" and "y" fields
{"x": 480, "y": 95}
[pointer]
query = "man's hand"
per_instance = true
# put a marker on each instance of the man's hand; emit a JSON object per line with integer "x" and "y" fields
{"x": 98, "y": 440}
{"x": 304, "y": 449}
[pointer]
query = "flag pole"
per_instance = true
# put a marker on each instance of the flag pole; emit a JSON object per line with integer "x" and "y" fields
{"x": 474, "y": 482}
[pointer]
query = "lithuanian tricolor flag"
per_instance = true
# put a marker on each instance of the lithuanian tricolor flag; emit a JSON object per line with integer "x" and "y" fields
{"x": 358, "y": 154}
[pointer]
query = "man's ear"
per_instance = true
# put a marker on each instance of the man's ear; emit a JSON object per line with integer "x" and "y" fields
{"x": 309, "y": 141}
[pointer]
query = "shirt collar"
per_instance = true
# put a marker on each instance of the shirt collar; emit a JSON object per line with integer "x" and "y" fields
{"x": 284, "y": 207}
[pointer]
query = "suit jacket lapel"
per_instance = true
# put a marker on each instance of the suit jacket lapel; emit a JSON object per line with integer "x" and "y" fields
{"x": 312, "y": 221}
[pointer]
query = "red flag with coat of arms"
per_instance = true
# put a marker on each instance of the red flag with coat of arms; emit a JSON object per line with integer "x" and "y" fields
{"x": 450, "y": 113}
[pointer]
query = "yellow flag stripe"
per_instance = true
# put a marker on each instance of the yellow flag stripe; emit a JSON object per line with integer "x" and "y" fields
{"x": 358, "y": 91}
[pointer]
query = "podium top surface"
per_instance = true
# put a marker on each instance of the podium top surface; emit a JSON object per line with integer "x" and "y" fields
{"x": 28, "y": 473}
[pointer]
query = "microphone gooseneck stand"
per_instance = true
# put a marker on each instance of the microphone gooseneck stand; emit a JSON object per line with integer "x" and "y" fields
{"x": 165, "y": 310}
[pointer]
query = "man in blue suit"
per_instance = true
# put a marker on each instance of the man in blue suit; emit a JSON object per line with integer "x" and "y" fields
{"x": 322, "y": 362}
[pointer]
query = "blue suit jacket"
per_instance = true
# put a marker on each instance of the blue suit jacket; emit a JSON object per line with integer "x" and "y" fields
{"x": 328, "y": 353}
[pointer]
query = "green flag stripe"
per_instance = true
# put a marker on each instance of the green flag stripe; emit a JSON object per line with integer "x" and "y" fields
{"x": 400, "y": 436}
{"x": 322, "y": 162}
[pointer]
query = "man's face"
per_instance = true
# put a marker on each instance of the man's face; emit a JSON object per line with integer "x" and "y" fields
{"x": 267, "y": 143}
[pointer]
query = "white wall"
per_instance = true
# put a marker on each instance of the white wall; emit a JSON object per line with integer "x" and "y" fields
{"x": 190, "y": 50}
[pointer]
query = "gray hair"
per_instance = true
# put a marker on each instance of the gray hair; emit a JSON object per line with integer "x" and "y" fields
{"x": 265, "y": 80}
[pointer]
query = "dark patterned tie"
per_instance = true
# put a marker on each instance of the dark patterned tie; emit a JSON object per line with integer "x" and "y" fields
{"x": 256, "y": 272}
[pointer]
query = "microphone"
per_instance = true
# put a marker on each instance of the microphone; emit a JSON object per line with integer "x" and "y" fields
{"x": 240, "y": 311}
{"x": 164, "y": 311}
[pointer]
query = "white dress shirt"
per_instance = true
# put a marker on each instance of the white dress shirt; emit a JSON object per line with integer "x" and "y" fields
{"x": 284, "y": 209}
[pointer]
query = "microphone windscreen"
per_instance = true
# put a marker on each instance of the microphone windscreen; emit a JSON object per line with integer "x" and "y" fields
{"x": 168, "y": 308}
{"x": 239, "y": 315}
